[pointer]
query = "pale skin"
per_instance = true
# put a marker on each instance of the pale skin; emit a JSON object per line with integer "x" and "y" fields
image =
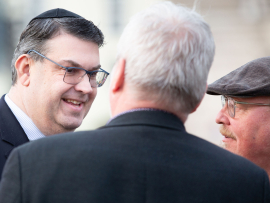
{"x": 53, "y": 105}
{"x": 248, "y": 133}
{"x": 124, "y": 97}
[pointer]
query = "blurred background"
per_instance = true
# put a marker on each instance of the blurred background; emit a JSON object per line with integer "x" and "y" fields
{"x": 241, "y": 29}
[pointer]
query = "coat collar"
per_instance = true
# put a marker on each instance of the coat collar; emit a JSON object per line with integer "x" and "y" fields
{"x": 151, "y": 118}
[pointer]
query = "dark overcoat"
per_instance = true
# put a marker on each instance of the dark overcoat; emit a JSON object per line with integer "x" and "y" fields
{"x": 11, "y": 132}
{"x": 139, "y": 157}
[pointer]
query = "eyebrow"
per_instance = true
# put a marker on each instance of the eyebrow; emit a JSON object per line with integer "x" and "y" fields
{"x": 75, "y": 64}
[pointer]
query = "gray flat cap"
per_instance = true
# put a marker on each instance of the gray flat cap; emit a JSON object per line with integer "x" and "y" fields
{"x": 250, "y": 80}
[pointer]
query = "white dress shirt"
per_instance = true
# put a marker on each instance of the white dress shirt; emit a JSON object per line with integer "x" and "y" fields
{"x": 30, "y": 129}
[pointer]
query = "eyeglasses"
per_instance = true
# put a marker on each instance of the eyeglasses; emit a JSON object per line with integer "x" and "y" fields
{"x": 231, "y": 104}
{"x": 74, "y": 75}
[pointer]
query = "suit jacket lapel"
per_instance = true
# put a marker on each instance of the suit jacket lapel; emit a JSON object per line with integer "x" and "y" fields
{"x": 10, "y": 129}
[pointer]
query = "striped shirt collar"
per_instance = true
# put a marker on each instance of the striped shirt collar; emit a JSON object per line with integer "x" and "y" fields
{"x": 30, "y": 129}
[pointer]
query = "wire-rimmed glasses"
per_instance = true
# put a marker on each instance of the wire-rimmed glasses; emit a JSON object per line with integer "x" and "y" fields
{"x": 231, "y": 104}
{"x": 74, "y": 75}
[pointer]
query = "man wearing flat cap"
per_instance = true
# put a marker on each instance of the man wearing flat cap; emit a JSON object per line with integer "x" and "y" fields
{"x": 50, "y": 91}
{"x": 245, "y": 113}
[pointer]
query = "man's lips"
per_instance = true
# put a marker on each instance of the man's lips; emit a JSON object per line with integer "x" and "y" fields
{"x": 226, "y": 133}
{"x": 73, "y": 102}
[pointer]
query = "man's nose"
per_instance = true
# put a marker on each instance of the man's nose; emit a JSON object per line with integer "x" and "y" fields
{"x": 222, "y": 116}
{"x": 84, "y": 85}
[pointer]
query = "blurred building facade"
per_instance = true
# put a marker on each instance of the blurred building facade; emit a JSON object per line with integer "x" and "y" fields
{"x": 241, "y": 29}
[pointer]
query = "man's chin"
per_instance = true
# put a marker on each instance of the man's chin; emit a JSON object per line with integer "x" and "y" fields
{"x": 222, "y": 144}
{"x": 230, "y": 146}
{"x": 71, "y": 124}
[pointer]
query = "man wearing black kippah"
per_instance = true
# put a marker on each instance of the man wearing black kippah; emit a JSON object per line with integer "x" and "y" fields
{"x": 245, "y": 113}
{"x": 50, "y": 91}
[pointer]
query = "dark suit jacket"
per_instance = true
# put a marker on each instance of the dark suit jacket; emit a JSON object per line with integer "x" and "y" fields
{"x": 11, "y": 132}
{"x": 138, "y": 157}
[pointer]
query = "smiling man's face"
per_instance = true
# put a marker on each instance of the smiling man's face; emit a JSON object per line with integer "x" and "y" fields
{"x": 248, "y": 133}
{"x": 53, "y": 105}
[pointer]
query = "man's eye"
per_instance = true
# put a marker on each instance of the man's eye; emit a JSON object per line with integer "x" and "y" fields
{"x": 72, "y": 71}
{"x": 94, "y": 74}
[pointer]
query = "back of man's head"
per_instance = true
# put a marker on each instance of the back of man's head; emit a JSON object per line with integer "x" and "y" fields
{"x": 168, "y": 51}
{"x": 41, "y": 29}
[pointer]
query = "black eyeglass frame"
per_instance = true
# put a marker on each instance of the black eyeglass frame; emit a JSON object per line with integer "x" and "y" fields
{"x": 232, "y": 114}
{"x": 68, "y": 68}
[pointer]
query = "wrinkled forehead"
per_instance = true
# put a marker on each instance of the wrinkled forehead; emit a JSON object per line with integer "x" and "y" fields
{"x": 69, "y": 50}
{"x": 250, "y": 99}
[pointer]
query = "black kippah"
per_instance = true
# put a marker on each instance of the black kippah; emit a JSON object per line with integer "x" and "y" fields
{"x": 56, "y": 13}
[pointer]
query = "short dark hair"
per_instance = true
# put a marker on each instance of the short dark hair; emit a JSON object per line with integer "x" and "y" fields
{"x": 38, "y": 31}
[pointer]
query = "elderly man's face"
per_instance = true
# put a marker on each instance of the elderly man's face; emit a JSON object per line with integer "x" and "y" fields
{"x": 53, "y": 105}
{"x": 248, "y": 133}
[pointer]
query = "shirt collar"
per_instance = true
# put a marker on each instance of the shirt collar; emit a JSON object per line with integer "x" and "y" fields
{"x": 30, "y": 129}
{"x": 133, "y": 110}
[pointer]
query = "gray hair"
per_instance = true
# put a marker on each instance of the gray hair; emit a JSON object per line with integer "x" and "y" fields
{"x": 39, "y": 31}
{"x": 168, "y": 50}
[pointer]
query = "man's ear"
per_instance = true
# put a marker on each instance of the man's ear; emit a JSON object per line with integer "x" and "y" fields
{"x": 22, "y": 66}
{"x": 118, "y": 75}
